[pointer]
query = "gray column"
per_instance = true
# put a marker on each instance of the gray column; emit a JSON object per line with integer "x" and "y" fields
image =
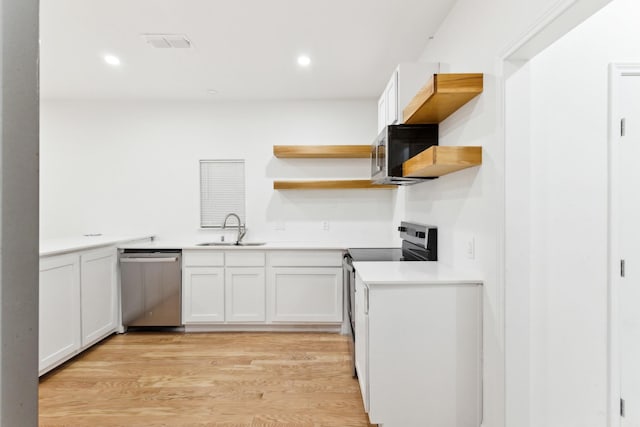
{"x": 19, "y": 114}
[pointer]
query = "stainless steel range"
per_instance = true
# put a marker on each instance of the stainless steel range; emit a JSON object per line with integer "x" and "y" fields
{"x": 419, "y": 243}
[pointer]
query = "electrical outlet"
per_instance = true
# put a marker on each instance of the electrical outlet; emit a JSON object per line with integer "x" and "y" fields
{"x": 471, "y": 248}
{"x": 279, "y": 226}
{"x": 325, "y": 225}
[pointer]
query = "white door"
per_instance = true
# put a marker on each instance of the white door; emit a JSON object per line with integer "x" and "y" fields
{"x": 203, "y": 298}
{"x": 98, "y": 294}
{"x": 245, "y": 294}
{"x": 59, "y": 311}
{"x": 626, "y": 225}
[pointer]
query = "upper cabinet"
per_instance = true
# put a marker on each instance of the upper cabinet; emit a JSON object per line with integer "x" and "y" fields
{"x": 442, "y": 95}
{"x": 405, "y": 82}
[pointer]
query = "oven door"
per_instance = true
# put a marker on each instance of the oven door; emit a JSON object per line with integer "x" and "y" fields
{"x": 349, "y": 276}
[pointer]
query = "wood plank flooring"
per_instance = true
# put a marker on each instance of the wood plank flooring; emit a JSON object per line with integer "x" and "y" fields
{"x": 206, "y": 379}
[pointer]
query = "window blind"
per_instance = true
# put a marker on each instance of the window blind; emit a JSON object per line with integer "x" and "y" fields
{"x": 221, "y": 191}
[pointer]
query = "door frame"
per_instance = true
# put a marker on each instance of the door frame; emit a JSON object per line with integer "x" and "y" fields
{"x": 617, "y": 71}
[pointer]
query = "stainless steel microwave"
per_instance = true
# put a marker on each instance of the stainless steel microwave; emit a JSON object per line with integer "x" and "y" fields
{"x": 395, "y": 145}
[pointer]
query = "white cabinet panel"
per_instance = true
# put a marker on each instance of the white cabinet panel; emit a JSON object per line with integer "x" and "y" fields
{"x": 419, "y": 353}
{"x": 98, "y": 294}
{"x": 305, "y": 258}
{"x": 59, "y": 298}
{"x": 382, "y": 111}
{"x": 204, "y": 258}
{"x": 362, "y": 341}
{"x": 245, "y": 294}
{"x": 391, "y": 95}
{"x": 203, "y": 299}
{"x": 242, "y": 258}
{"x": 305, "y": 295}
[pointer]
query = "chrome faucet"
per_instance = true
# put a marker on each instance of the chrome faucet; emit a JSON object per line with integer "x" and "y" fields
{"x": 242, "y": 230}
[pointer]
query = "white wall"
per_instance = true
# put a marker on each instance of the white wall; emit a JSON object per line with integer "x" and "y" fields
{"x": 470, "y": 205}
{"x": 114, "y": 167}
{"x": 569, "y": 122}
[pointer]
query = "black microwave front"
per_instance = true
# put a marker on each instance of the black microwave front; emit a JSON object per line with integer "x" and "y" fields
{"x": 395, "y": 145}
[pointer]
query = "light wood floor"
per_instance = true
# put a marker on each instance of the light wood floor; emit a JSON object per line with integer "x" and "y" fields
{"x": 206, "y": 379}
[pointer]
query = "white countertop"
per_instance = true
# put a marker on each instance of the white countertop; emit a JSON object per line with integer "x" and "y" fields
{"x": 78, "y": 243}
{"x": 192, "y": 245}
{"x": 413, "y": 273}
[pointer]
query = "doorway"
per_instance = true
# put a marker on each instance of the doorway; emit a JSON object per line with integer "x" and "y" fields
{"x": 624, "y": 261}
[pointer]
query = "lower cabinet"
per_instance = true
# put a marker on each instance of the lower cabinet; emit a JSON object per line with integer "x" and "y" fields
{"x": 203, "y": 295}
{"x": 222, "y": 287}
{"x": 362, "y": 340}
{"x": 244, "y": 294}
{"x": 419, "y": 353}
{"x": 77, "y": 303}
{"x": 305, "y": 294}
{"x": 262, "y": 287}
{"x": 59, "y": 309}
{"x": 99, "y": 297}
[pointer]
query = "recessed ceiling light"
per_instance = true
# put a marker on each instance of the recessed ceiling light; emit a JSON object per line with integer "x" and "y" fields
{"x": 304, "y": 61}
{"x": 112, "y": 60}
{"x": 212, "y": 91}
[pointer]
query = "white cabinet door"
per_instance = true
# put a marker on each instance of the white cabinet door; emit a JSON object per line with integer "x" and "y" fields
{"x": 245, "y": 294}
{"x": 391, "y": 95}
{"x": 362, "y": 340}
{"x": 98, "y": 286}
{"x": 305, "y": 295}
{"x": 59, "y": 324}
{"x": 203, "y": 298}
{"x": 382, "y": 111}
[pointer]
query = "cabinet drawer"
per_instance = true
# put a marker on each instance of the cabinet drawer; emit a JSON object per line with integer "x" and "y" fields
{"x": 305, "y": 259}
{"x": 203, "y": 259}
{"x": 244, "y": 259}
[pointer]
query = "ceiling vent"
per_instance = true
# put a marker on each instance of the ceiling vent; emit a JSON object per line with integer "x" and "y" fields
{"x": 167, "y": 41}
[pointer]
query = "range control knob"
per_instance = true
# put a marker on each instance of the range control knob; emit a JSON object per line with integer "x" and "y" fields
{"x": 402, "y": 229}
{"x": 420, "y": 234}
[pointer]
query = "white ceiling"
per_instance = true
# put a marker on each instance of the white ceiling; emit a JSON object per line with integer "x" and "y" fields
{"x": 242, "y": 49}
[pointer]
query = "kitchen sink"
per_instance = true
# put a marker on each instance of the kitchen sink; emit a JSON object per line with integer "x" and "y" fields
{"x": 231, "y": 244}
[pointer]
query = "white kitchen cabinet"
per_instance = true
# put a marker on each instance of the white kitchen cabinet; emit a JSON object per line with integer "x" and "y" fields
{"x": 361, "y": 341}
{"x": 59, "y": 309}
{"x": 203, "y": 295}
{"x": 402, "y": 86}
{"x": 223, "y": 287}
{"x": 418, "y": 353}
{"x": 99, "y": 297}
{"x": 270, "y": 288}
{"x": 245, "y": 294}
{"x": 305, "y": 294}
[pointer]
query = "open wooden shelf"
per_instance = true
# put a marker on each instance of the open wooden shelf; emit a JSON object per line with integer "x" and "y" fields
{"x": 441, "y": 96}
{"x": 437, "y": 161}
{"x": 329, "y": 185}
{"x": 322, "y": 151}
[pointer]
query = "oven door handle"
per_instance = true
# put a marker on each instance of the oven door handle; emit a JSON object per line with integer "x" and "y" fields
{"x": 346, "y": 263}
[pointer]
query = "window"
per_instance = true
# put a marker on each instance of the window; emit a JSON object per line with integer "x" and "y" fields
{"x": 221, "y": 191}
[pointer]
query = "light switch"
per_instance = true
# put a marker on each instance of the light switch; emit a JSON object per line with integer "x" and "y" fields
{"x": 471, "y": 248}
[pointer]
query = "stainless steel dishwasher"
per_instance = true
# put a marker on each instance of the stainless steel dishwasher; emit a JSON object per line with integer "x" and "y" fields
{"x": 151, "y": 287}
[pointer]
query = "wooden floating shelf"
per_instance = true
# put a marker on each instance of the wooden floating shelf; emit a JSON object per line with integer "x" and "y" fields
{"x": 329, "y": 185}
{"x": 322, "y": 151}
{"x": 441, "y": 96}
{"x": 437, "y": 161}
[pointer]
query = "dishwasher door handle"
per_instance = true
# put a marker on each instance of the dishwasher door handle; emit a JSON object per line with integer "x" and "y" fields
{"x": 173, "y": 259}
